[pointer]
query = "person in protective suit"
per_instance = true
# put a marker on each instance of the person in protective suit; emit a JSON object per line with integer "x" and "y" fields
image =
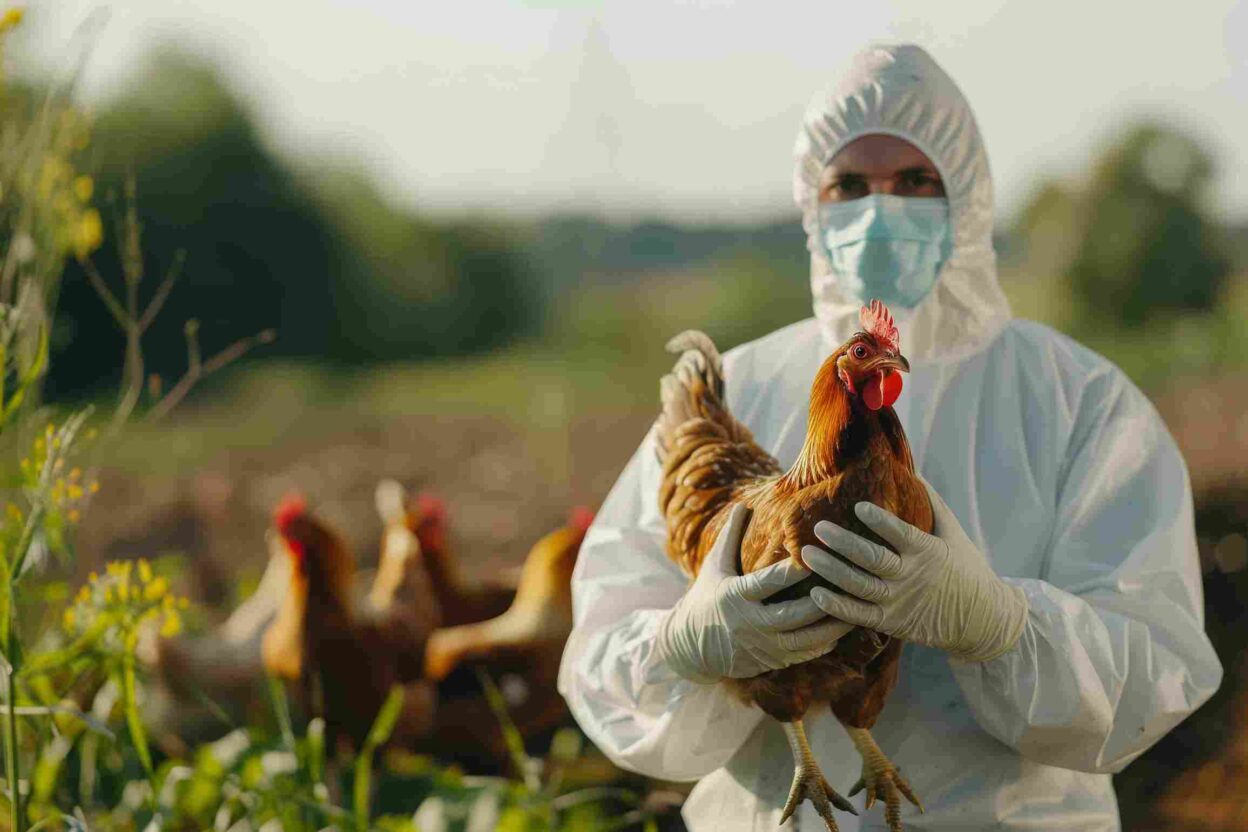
{"x": 1064, "y": 549}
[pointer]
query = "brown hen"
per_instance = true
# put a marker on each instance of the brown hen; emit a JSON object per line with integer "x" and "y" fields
{"x": 521, "y": 648}
{"x": 855, "y": 450}
{"x": 345, "y": 654}
{"x": 463, "y": 599}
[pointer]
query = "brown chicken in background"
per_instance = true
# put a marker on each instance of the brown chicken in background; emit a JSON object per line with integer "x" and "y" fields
{"x": 521, "y": 649}
{"x": 855, "y": 450}
{"x": 538, "y": 620}
{"x": 203, "y": 683}
{"x": 462, "y": 599}
{"x": 345, "y": 654}
{"x": 402, "y": 566}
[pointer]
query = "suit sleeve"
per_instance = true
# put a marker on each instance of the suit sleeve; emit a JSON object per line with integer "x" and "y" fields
{"x": 1113, "y": 654}
{"x": 643, "y": 717}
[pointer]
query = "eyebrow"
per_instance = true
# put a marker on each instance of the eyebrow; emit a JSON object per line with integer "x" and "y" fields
{"x": 910, "y": 171}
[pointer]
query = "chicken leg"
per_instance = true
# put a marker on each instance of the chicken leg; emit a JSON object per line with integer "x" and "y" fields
{"x": 881, "y": 779}
{"x": 808, "y": 780}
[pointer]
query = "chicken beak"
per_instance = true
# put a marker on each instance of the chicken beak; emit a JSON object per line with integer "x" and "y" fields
{"x": 896, "y": 362}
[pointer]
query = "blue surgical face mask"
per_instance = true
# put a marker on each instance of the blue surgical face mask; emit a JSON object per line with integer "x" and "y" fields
{"x": 886, "y": 247}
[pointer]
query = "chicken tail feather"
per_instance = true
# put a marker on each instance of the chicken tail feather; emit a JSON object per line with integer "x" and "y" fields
{"x": 694, "y": 389}
{"x": 705, "y": 354}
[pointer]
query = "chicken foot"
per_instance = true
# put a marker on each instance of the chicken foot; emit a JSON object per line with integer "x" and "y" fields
{"x": 808, "y": 780}
{"x": 881, "y": 779}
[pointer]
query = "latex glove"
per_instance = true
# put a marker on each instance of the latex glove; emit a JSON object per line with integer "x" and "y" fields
{"x": 721, "y": 627}
{"x": 935, "y": 589}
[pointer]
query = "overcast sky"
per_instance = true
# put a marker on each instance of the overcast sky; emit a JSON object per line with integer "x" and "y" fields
{"x": 684, "y": 110}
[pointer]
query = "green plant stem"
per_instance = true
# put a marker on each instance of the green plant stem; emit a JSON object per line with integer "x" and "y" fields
{"x": 17, "y": 820}
{"x": 281, "y": 708}
{"x": 378, "y": 735}
{"x": 511, "y": 735}
{"x": 4, "y": 363}
{"x": 129, "y": 703}
{"x": 15, "y": 571}
{"x": 361, "y": 787}
{"x": 12, "y": 768}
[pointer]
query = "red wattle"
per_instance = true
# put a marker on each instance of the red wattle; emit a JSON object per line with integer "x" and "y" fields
{"x": 892, "y": 388}
{"x": 297, "y": 551}
{"x": 873, "y": 392}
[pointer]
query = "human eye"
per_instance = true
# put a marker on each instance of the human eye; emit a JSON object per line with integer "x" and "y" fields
{"x": 920, "y": 183}
{"x": 847, "y": 187}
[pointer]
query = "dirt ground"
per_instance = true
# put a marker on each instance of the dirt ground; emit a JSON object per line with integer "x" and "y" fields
{"x": 500, "y": 494}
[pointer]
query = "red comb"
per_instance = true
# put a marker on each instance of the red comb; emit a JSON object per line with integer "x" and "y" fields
{"x": 580, "y": 518}
{"x": 429, "y": 521}
{"x": 291, "y": 506}
{"x": 430, "y": 507}
{"x": 878, "y": 321}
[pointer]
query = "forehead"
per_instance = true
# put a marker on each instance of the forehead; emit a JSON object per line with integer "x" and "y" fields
{"x": 877, "y": 154}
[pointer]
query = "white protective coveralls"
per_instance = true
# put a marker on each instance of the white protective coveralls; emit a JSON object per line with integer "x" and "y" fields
{"x": 1053, "y": 461}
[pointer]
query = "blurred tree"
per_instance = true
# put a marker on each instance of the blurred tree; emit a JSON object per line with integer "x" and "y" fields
{"x": 1049, "y": 229}
{"x": 1144, "y": 245}
{"x": 316, "y": 253}
{"x": 256, "y": 251}
{"x": 409, "y": 287}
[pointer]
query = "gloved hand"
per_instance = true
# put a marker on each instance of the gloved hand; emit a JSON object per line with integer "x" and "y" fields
{"x": 721, "y": 627}
{"x": 937, "y": 589}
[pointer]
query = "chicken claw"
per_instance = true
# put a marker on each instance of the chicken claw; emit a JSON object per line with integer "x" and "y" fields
{"x": 808, "y": 781}
{"x": 881, "y": 779}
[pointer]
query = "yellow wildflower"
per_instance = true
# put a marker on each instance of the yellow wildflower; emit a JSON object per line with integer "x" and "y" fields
{"x": 11, "y": 18}
{"x": 89, "y": 233}
{"x": 74, "y": 516}
{"x": 83, "y": 188}
{"x": 145, "y": 571}
{"x": 94, "y": 487}
{"x": 55, "y": 170}
{"x": 70, "y": 619}
{"x": 155, "y": 590}
{"x": 172, "y": 625}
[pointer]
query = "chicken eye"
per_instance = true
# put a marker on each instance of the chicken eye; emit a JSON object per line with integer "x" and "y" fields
{"x": 860, "y": 352}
